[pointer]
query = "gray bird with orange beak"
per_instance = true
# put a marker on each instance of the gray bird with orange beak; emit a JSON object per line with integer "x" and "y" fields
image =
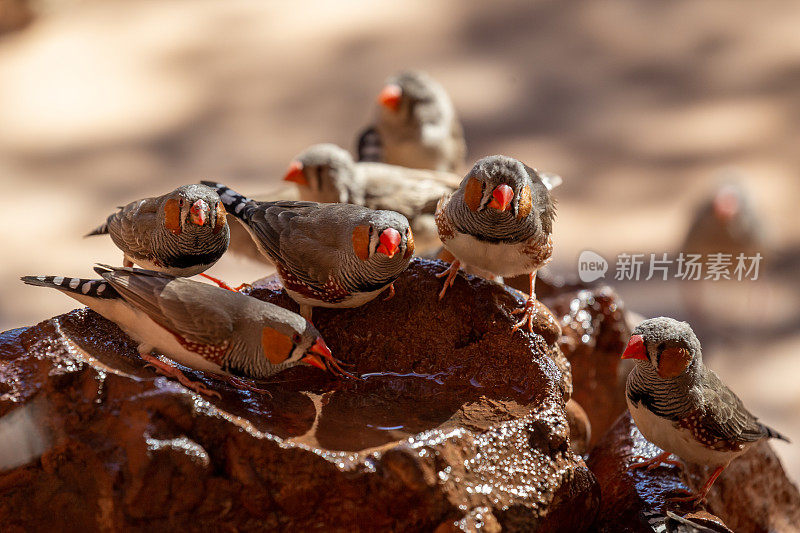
{"x": 327, "y": 255}
{"x": 416, "y": 126}
{"x": 683, "y": 407}
{"x": 182, "y": 233}
{"x": 197, "y": 325}
{"x": 500, "y": 220}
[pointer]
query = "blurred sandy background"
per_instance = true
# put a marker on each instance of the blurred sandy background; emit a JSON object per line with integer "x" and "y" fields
{"x": 638, "y": 105}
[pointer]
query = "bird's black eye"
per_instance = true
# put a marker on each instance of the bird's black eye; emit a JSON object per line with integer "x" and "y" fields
{"x": 296, "y": 338}
{"x": 181, "y": 202}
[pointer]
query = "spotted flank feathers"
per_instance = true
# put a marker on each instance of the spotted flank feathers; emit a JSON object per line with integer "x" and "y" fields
{"x": 370, "y": 147}
{"x": 97, "y": 288}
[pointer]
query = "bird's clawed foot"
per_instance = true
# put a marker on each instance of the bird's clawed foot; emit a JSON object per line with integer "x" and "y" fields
{"x": 222, "y": 285}
{"x": 691, "y": 497}
{"x": 172, "y": 372}
{"x": 654, "y": 462}
{"x": 243, "y": 385}
{"x": 529, "y": 312}
{"x": 451, "y": 273}
{"x": 390, "y": 290}
{"x": 699, "y": 496}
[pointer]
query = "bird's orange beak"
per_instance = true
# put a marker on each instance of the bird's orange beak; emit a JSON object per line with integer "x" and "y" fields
{"x": 315, "y": 355}
{"x": 390, "y": 240}
{"x": 390, "y": 97}
{"x": 635, "y": 349}
{"x": 501, "y": 197}
{"x": 295, "y": 174}
{"x": 198, "y": 213}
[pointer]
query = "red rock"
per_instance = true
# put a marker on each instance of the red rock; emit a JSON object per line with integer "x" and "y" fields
{"x": 594, "y": 335}
{"x": 457, "y": 423}
{"x": 752, "y": 495}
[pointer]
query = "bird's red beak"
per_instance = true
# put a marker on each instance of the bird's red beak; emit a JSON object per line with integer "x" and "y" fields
{"x": 390, "y": 240}
{"x": 501, "y": 197}
{"x": 390, "y": 97}
{"x": 726, "y": 206}
{"x": 315, "y": 355}
{"x": 635, "y": 349}
{"x": 295, "y": 174}
{"x": 198, "y": 213}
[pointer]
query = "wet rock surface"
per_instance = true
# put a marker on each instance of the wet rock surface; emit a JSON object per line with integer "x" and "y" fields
{"x": 456, "y": 424}
{"x": 752, "y": 495}
{"x": 595, "y": 333}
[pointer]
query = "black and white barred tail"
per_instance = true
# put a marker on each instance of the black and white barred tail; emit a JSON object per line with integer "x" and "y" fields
{"x": 234, "y": 202}
{"x": 370, "y": 147}
{"x": 97, "y": 288}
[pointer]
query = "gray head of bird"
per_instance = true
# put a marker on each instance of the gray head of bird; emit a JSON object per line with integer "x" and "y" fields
{"x": 193, "y": 208}
{"x": 287, "y": 339}
{"x": 666, "y": 346}
{"x": 383, "y": 238}
{"x": 500, "y": 189}
{"x": 412, "y": 97}
{"x": 325, "y": 170}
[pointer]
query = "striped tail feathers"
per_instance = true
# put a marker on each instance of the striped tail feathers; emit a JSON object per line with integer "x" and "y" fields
{"x": 97, "y": 288}
{"x": 772, "y": 434}
{"x": 234, "y": 202}
{"x": 369, "y": 146}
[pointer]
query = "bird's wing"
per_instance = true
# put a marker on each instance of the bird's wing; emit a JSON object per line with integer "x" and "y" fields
{"x": 197, "y": 311}
{"x": 132, "y": 226}
{"x": 410, "y": 192}
{"x": 369, "y": 146}
{"x": 724, "y": 415}
{"x": 301, "y": 236}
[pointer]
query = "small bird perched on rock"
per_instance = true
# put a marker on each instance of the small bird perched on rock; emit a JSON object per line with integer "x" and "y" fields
{"x": 683, "y": 407}
{"x": 200, "y": 326}
{"x": 327, "y": 255}
{"x": 500, "y": 220}
{"x": 327, "y": 173}
{"x": 181, "y": 233}
{"x": 416, "y": 126}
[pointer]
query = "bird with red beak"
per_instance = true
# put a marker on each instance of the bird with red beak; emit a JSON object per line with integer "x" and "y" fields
{"x": 416, "y": 126}
{"x": 327, "y": 255}
{"x": 181, "y": 233}
{"x": 682, "y": 406}
{"x": 500, "y": 220}
{"x": 240, "y": 337}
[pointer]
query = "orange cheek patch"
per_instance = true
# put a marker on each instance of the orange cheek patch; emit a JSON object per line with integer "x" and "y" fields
{"x": 220, "y": 222}
{"x": 524, "y": 205}
{"x": 473, "y": 194}
{"x": 409, "y": 244}
{"x": 172, "y": 216}
{"x": 361, "y": 242}
{"x": 277, "y": 346}
{"x": 673, "y": 362}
